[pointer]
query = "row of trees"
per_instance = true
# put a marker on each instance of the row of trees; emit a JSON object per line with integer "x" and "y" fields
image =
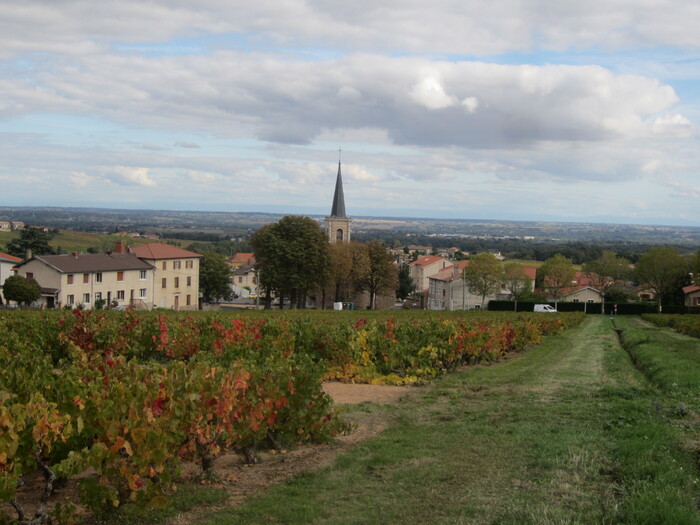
{"x": 295, "y": 261}
{"x": 662, "y": 268}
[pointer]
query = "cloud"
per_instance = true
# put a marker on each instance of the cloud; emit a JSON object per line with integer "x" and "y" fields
{"x": 129, "y": 175}
{"x": 187, "y": 145}
{"x": 294, "y": 102}
{"x": 430, "y": 94}
{"x": 201, "y": 177}
{"x": 80, "y": 179}
{"x": 465, "y": 27}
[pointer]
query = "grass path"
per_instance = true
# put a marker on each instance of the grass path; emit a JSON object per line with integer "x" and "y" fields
{"x": 555, "y": 435}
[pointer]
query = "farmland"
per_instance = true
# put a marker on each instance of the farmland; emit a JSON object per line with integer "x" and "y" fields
{"x": 568, "y": 431}
{"x": 132, "y": 395}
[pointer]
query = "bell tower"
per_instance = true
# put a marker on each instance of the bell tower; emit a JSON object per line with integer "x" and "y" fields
{"x": 337, "y": 223}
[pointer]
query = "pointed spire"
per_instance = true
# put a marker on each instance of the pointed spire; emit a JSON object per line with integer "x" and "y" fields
{"x": 338, "y": 209}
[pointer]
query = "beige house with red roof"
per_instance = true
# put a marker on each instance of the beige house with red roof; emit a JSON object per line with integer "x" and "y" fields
{"x": 7, "y": 262}
{"x": 118, "y": 279}
{"x": 176, "y": 277}
{"x": 692, "y": 295}
{"x": 424, "y": 267}
{"x": 241, "y": 259}
{"x": 447, "y": 290}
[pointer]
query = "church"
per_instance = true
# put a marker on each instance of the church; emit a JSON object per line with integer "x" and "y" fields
{"x": 338, "y": 223}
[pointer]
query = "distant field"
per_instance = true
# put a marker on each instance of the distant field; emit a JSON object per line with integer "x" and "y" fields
{"x": 74, "y": 241}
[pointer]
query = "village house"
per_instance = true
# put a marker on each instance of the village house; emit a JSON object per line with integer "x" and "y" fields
{"x": 424, "y": 267}
{"x": 115, "y": 279}
{"x": 176, "y": 277}
{"x": 692, "y": 295}
{"x": 7, "y": 262}
{"x": 447, "y": 290}
{"x": 5, "y": 226}
{"x": 241, "y": 259}
{"x": 244, "y": 277}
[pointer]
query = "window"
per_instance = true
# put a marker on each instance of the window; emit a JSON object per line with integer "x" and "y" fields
{"x": 176, "y": 265}
{"x": 120, "y": 276}
{"x": 574, "y": 300}
{"x": 164, "y": 282}
{"x": 86, "y": 298}
{"x": 98, "y": 296}
{"x": 177, "y": 282}
{"x": 69, "y": 277}
{"x": 189, "y": 264}
{"x": 142, "y": 275}
{"x": 142, "y": 293}
{"x": 240, "y": 279}
{"x": 30, "y": 275}
{"x": 120, "y": 295}
{"x": 189, "y": 280}
{"x": 86, "y": 278}
{"x": 188, "y": 300}
{"x": 165, "y": 265}
{"x": 98, "y": 277}
{"x": 70, "y": 299}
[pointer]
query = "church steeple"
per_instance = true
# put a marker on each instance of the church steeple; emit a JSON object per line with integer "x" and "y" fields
{"x": 338, "y": 208}
{"x": 338, "y": 223}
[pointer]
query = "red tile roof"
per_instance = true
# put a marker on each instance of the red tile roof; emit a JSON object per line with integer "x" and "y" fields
{"x": 427, "y": 260}
{"x": 157, "y": 250}
{"x": 691, "y": 288}
{"x": 9, "y": 258}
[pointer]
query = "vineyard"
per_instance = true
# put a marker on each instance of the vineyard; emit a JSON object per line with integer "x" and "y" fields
{"x": 685, "y": 324}
{"x": 123, "y": 399}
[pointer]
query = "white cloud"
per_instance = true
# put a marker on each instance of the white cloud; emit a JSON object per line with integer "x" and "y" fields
{"x": 673, "y": 126}
{"x": 430, "y": 93}
{"x": 129, "y": 175}
{"x": 80, "y": 179}
{"x": 201, "y": 177}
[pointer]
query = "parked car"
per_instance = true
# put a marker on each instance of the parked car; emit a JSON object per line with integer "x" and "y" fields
{"x": 545, "y": 308}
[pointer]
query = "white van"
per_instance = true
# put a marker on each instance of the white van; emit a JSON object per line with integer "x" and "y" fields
{"x": 545, "y": 308}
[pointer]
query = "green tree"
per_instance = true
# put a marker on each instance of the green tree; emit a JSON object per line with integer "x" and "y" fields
{"x": 348, "y": 268}
{"x": 382, "y": 276}
{"x": 21, "y": 290}
{"x": 31, "y": 239}
{"x": 516, "y": 281}
{"x": 214, "y": 277}
{"x": 557, "y": 275}
{"x": 665, "y": 271}
{"x": 406, "y": 284}
{"x": 605, "y": 271}
{"x": 483, "y": 275}
{"x": 292, "y": 258}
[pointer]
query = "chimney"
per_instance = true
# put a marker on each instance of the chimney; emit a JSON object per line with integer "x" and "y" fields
{"x": 119, "y": 247}
{"x": 75, "y": 254}
{"x": 28, "y": 254}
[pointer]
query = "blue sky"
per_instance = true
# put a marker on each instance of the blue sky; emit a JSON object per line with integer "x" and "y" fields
{"x": 515, "y": 109}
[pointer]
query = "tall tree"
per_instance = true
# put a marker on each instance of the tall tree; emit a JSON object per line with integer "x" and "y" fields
{"x": 214, "y": 277}
{"x": 483, "y": 275}
{"x": 406, "y": 284}
{"x": 349, "y": 265}
{"x": 665, "y": 271}
{"x": 31, "y": 239}
{"x": 382, "y": 276}
{"x": 292, "y": 257}
{"x": 605, "y": 271}
{"x": 21, "y": 290}
{"x": 557, "y": 275}
{"x": 516, "y": 281}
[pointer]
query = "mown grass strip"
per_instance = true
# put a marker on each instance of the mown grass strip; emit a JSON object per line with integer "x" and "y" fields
{"x": 568, "y": 432}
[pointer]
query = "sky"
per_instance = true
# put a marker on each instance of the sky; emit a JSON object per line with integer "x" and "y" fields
{"x": 471, "y": 109}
